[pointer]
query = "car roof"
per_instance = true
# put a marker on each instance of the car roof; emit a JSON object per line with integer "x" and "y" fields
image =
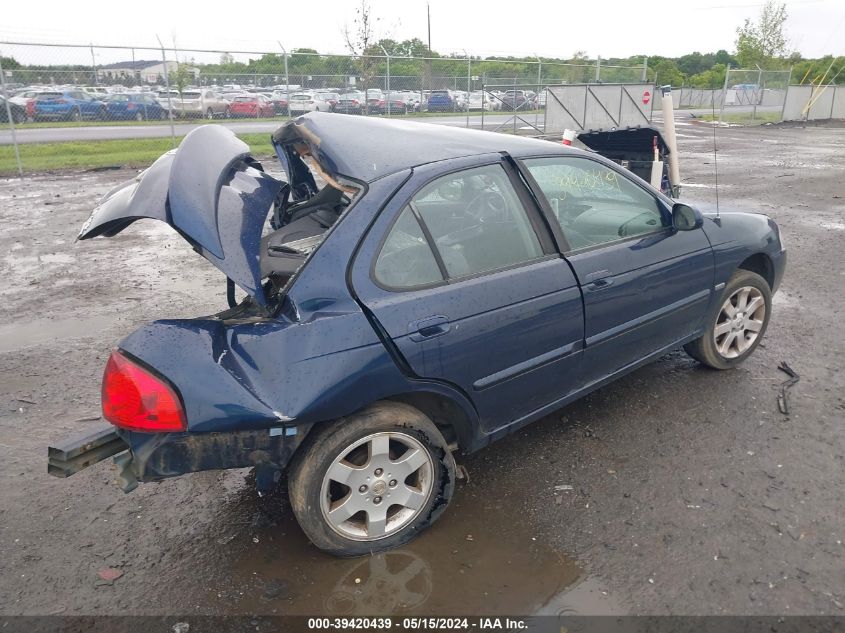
{"x": 369, "y": 148}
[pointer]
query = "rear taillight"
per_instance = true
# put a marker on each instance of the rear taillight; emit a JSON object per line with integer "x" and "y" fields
{"x": 61, "y": 100}
{"x": 137, "y": 400}
{"x": 130, "y": 106}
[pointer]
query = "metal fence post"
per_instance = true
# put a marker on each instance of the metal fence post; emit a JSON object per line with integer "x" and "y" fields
{"x": 598, "y": 68}
{"x": 645, "y": 69}
{"x": 469, "y": 84}
{"x": 387, "y": 79}
{"x": 287, "y": 77}
{"x": 759, "y": 92}
{"x": 724, "y": 92}
{"x": 11, "y": 118}
{"x": 169, "y": 95}
{"x": 93, "y": 64}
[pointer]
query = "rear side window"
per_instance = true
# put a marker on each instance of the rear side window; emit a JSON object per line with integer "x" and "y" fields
{"x": 472, "y": 219}
{"x": 406, "y": 259}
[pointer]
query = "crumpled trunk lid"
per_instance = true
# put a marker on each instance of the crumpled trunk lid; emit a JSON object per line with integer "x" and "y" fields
{"x": 212, "y": 192}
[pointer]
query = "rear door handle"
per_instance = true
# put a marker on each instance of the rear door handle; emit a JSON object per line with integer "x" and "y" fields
{"x": 429, "y": 327}
{"x": 599, "y": 284}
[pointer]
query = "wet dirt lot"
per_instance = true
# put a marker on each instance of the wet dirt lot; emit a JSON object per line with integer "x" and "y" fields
{"x": 690, "y": 493}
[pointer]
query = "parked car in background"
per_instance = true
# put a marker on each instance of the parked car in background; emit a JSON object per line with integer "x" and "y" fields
{"x": 392, "y": 103}
{"x": 517, "y": 100}
{"x": 445, "y": 288}
{"x": 252, "y": 105}
{"x": 17, "y": 111}
{"x": 350, "y": 103}
{"x": 478, "y": 101}
{"x": 331, "y": 98}
{"x": 374, "y": 96}
{"x": 68, "y": 105}
{"x": 22, "y": 97}
{"x": 279, "y": 99}
{"x": 413, "y": 100}
{"x": 304, "y": 102}
{"x": 141, "y": 107}
{"x": 443, "y": 101}
{"x": 199, "y": 103}
{"x": 98, "y": 92}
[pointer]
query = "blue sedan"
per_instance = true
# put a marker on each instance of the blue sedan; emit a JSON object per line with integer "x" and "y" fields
{"x": 403, "y": 306}
{"x": 68, "y": 105}
{"x": 141, "y": 107}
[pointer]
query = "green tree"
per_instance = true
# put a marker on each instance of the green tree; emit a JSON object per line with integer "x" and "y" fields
{"x": 763, "y": 42}
{"x": 181, "y": 77}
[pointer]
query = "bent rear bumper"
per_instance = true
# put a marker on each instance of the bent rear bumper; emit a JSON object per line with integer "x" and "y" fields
{"x": 145, "y": 457}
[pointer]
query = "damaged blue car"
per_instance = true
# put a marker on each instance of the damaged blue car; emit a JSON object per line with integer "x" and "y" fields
{"x": 408, "y": 291}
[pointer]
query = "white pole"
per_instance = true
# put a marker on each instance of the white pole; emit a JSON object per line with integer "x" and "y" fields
{"x": 671, "y": 140}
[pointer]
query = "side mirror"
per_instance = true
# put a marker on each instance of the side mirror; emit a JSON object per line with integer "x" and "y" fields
{"x": 685, "y": 217}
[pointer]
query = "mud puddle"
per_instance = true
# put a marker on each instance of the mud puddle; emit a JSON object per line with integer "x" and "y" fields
{"x": 23, "y": 334}
{"x": 478, "y": 558}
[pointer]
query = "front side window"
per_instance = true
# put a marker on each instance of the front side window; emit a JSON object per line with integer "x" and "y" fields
{"x": 475, "y": 221}
{"x": 592, "y": 203}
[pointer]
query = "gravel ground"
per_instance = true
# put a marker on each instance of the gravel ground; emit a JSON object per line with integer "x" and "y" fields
{"x": 691, "y": 493}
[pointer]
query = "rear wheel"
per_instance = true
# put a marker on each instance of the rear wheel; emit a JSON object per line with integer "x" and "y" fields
{"x": 371, "y": 481}
{"x": 75, "y": 115}
{"x": 139, "y": 116}
{"x": 738, "y": 325}
{"x": 209, "y": 114}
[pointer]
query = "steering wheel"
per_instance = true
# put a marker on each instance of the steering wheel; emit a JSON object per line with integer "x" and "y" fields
{"x": 623, "y": 229}
{"x": 488, "y": 205}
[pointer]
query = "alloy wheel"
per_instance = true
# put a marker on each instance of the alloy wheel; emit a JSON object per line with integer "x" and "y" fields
{"x": 740, "y": 321}
{"x": 376, "y": 486}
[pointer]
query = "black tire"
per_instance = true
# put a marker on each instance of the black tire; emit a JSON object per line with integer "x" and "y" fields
{"x": 75, "y": 115}
{"x": 333, "y": 440}
{"x": 704, "y": 349}
{"x": 139, "y": 116}
{"x": 209, "y": 114}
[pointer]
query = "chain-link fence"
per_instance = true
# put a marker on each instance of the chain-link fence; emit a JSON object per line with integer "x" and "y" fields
{"x": 52, "y": 85}
{"x": 754, "y": 94}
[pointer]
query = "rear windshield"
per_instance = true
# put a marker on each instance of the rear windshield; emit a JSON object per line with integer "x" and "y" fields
{"x": 440, "y": 93}
{"x": 246, "y": 99}
{"x": 50, "y": 95}
{"x": 301, "y": 98}
{"x": 191, "y": 95}
{"x": 119, "y": 98}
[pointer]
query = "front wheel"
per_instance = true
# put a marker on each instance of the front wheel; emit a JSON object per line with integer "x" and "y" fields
{"x": 371, "y": 481}
{"x": 209, "y": 114}
{"x": 739, "y": 324}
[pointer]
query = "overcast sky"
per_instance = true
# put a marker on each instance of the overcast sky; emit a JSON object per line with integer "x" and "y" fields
{"x": 609, "y": 28}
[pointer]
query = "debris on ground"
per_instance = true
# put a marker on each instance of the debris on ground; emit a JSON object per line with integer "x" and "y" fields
{"x": 783, "y": 403}
{"x": 107, "y": 575}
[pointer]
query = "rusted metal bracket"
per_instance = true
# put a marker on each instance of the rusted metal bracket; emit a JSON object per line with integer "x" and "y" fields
{"x": 76, "y": 453}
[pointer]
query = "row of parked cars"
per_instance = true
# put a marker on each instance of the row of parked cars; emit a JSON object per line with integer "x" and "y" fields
{"x": 97, "y": 103}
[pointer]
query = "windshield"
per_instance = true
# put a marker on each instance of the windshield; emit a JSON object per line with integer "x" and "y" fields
{"x": 119, "y": 98}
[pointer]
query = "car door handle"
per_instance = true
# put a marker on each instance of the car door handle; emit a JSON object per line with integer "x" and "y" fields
{"x": 599, "y": 284}
{"x": 429, "y": 327}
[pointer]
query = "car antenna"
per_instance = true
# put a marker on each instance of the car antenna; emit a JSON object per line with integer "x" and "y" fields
{"x": 715, "y": 165}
